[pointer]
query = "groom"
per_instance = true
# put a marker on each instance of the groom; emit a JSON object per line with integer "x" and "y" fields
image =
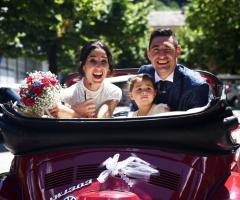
{"x": 179, "y": 87}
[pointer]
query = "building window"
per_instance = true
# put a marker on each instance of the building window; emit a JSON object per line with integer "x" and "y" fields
{"x": 14, "y": 70}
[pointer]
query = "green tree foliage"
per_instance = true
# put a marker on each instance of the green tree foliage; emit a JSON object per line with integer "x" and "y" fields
{"x": 211, "y": 38}
{"x": 45, "y": 29}
{"x": 124, "y": 28}
{"x": 54, "y": 30}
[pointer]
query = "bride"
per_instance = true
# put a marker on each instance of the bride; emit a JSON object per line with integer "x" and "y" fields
{"x": 91, "y": 97}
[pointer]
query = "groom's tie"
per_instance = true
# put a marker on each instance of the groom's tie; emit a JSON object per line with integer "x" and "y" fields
{"x": 163, "y": 87}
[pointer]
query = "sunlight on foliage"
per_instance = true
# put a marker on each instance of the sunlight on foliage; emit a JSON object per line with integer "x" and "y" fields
{"x": 211, "y": 37}
{"x": 62, "y": 27}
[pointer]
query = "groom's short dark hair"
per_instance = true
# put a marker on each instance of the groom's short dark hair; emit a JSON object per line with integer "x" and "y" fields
{"x": 163, "y": 32}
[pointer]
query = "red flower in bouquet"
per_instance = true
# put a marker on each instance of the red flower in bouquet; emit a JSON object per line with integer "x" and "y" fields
{"x": 28, "y": 101}
{"x": 46, "y": 82}
{"x": 29, "y": 79}
{"x": 39, "y": 91}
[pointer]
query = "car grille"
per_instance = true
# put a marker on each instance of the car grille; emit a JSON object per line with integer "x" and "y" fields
{"x": 88, "y": 171}
{"x": 59, "y": 178}
{"x": 165, "y": 179}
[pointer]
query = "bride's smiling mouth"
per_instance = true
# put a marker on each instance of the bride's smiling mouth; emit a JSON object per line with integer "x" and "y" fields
{"x": 98, "y": 75}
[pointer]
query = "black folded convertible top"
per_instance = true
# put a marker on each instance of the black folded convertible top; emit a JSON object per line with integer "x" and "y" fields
{"x": 208, "y": 130}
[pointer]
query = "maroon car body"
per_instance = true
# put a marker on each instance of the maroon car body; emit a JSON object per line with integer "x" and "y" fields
{"x": 195, "y": 154}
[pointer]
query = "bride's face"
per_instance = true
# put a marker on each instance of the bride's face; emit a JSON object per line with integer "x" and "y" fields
{"x": 95, "y": 68}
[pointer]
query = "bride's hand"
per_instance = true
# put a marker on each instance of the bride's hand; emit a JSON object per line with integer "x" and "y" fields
{"x": 86, "y": 108}
{"x": 103, "y": 112}
{"x": 61, "y": 111}
{"x": 106, "y": 109}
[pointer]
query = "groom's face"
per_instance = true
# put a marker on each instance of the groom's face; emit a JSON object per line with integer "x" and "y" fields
{"x": 163, "y": 54}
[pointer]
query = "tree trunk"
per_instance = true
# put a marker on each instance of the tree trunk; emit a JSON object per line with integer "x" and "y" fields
{"x": 52, "y": 58}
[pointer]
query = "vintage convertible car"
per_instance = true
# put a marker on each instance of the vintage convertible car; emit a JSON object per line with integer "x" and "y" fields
{"x": 176, "y": 155}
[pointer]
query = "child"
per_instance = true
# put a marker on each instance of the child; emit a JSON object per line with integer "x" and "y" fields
{"x": 143, "y": 91}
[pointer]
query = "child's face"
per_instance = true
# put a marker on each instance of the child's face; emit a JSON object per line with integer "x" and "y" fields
{"x": 143, "y": 92}
{"x": 96, "y": 67}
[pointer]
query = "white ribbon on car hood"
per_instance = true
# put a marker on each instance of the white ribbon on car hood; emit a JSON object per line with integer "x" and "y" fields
{"x": 133, "y": 167}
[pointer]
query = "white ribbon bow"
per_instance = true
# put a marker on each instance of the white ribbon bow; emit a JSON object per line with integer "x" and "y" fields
{"x": 132, "y": 166}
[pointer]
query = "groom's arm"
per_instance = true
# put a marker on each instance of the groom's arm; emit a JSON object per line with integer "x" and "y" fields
{"x": 196, "y": 97}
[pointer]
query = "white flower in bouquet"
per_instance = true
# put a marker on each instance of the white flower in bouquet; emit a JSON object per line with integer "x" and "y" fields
{"x": 39, "y": 92}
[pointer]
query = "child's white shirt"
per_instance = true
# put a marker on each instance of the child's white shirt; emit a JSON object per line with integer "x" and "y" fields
{"x": 155, "y": 109}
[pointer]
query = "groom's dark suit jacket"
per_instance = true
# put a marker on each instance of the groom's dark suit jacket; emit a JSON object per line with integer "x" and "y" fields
{"x": 188, "y": 90}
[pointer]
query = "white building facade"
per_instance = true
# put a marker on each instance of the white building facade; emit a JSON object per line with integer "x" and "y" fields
{"x": 166, "y": 19}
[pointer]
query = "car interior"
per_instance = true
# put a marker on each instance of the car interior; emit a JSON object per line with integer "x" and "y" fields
{"x": 120, "y": 78}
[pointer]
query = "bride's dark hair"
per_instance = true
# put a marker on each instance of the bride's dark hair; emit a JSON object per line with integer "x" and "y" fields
{"x": 87, "y": 49}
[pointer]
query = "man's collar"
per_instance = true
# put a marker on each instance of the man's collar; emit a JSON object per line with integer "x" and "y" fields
{"x": 169, "y": 78}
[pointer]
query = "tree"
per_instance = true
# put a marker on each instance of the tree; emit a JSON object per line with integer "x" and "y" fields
{"x": 124, "y": 28}
{"x": 211, "y": 37}
{"x": 54, "y": 30}
{"x": 44, "y": 29}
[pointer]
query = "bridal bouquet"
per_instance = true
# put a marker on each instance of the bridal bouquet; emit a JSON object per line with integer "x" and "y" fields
{"x": 39, "y": 92}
